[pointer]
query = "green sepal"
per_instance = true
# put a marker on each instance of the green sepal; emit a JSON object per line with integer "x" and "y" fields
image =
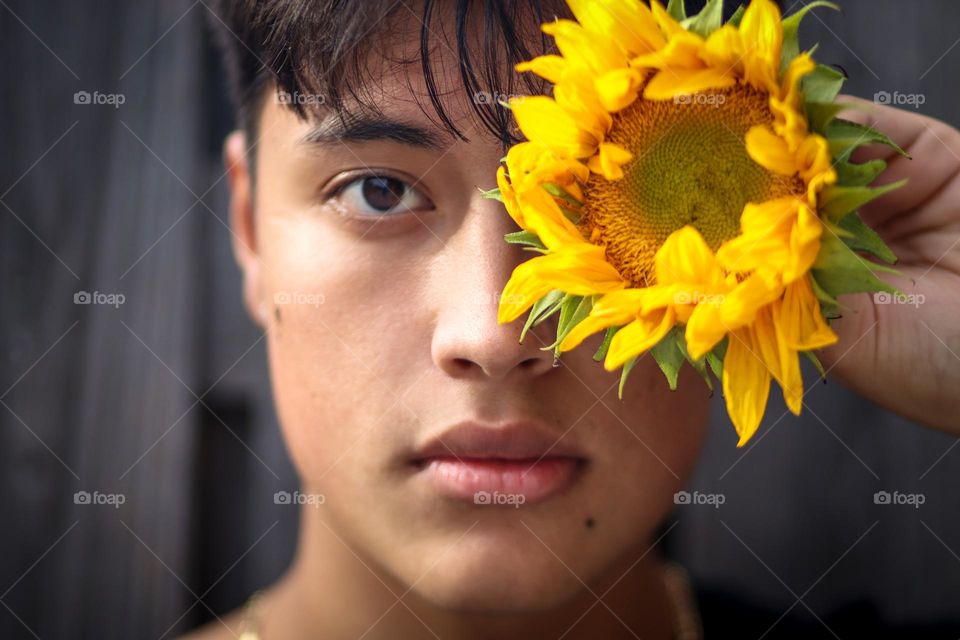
{"x": 737, "y": 16}
{"x": 791, "y": 27}
{"x": 605, "y": 345}
{"x": 821, "y": 114}
{"x": 845, "y": 136}
{"x": 858, "y": 175}
{"x": 812, "y": 357}
{"x": 669, "y": 357}
{"x": 541, "y": 310}
{"x": 627, "y": 366}
{"x": 838, "y": 270}
{"x": 492, "y": 194}
{"x": 677, "y": 10}
{"x": 822, "y": 84}
{"x": 863, "y": 238}
{"x": 839, "y": 201}
{"x": 716, "y": 356}
{"x": 573, "y": 309}
{"x": 559, "y": 192}
{"x": 524, "y": 237}
{"x": 829, "y": 306}
{"x": 708, "y": 20}
{"x": 700, "y": 366}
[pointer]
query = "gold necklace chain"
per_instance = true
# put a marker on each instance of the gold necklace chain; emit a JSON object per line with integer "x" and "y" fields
{"x": 685, "y": 616}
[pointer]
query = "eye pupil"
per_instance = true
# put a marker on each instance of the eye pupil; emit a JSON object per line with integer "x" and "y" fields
{"x": 383, "y": 192}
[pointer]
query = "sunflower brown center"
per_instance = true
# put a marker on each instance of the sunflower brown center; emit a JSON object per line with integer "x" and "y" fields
{"x": 690, "y": 166}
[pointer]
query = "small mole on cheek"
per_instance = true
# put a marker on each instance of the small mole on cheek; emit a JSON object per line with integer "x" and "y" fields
{"x": 589, "y": 522}
{"x": 276, "y": 314}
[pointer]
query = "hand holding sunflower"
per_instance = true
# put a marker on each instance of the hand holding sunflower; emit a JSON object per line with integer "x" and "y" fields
{"x": 693, "y": 194}
{"x": 904, "y": 352}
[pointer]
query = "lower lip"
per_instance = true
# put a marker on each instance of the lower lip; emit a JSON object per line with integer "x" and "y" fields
{"x": 504, "y": 481}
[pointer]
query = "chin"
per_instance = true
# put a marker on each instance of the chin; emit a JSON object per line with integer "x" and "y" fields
{"x": 498, "y": 575}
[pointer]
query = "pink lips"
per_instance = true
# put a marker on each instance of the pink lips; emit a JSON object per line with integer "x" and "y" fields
{"x": 512, "y": 465}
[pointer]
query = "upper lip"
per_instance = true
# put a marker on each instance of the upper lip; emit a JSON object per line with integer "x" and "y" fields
{"x": 518, "y": 440}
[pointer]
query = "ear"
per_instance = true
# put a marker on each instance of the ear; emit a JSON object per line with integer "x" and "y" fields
{"x": 243, "y": 225}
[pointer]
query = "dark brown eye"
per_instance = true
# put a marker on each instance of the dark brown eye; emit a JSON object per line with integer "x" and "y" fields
{"x": 372, "y": 195}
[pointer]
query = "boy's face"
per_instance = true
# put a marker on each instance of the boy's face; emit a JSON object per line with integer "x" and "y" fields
{"x": 382, "y": 333}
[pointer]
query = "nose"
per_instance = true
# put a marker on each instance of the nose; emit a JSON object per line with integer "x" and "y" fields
{"x": 468, "y": 342}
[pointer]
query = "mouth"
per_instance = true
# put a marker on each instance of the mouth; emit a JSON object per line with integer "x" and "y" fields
{"x": 510, "y": 465}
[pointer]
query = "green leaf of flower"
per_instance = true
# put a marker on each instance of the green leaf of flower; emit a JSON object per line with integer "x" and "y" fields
{"x": 858, "y": 175}
{"x": 791, "y": 26}
{"x": 863, "y": 238}
{"x": 838, "y": 270}
{"x": 605, "y": 345}
{"x": 524, "y": 237}
{"x": 737, "y": 16}
{"x": 627, "y": 366}
{"x": 492, "y": 194}
{"x": 677, "y": 10}
{"x": 668, "y": 355}
{"x": 845, "y": 136}
{"x": 708, "y": 20}
{"x": 822, "y": 84}
{"x": 839, "y": 201}
{"x": 542, "y": 309}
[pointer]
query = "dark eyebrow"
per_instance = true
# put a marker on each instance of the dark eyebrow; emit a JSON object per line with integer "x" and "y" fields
{"x": 367, "y": 129}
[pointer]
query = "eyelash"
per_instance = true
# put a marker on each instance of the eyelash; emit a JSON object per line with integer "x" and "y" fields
{"x": 357, "y": 179}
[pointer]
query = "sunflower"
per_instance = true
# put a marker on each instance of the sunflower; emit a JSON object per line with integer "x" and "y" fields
{"x": 689, "y": 189}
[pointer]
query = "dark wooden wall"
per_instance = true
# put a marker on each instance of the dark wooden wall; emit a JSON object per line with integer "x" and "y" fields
{"x": 164, "y": 399}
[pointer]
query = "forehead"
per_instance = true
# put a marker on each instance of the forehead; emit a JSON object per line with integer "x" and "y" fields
{"x": 446, "y": 64}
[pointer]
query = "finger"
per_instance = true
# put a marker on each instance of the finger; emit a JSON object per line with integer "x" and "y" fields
{"x": 934, "y": 149}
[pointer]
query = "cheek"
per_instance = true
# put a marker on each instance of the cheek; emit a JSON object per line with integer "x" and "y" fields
{"x": 336, "y": 340}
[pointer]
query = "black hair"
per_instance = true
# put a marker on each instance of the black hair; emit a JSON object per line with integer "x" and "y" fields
{"x": 323, "y": 48}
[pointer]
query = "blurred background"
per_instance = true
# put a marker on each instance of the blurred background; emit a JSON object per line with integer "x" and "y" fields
{"x": 139, "y": 451}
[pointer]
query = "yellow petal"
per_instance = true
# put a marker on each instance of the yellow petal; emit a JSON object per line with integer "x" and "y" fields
{"x": 741, "y": 305}
{"x": 762, "y": 36}
{"x": 628, "y": 23}
{"x": 582, "y": 49}
{"x": 686, "y": 258}
{"x": 665, "y": 21}
{"x": 509, "y": 197}
{"x": 704, "y": 330}
{"x": 770, "y": 151}
{"x": 542, "y": 215}
{"x": 618, "y": 88}
{"x": 522, "y": 290}
{"x": 616, "y": 308}
{"x": 672, "y": 83}
{"x": 790, "y": 379}
{"x": 638, "y": 336}
{"x": 804, "y": 327}
{"x": 609, "y": 160}
{"x": 549, "y": 67}
{"x": 746, "y": 384}
{"x": 541, "y": 119}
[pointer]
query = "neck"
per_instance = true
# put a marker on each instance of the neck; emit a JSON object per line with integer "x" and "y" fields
{"x": 333, "y": 591}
